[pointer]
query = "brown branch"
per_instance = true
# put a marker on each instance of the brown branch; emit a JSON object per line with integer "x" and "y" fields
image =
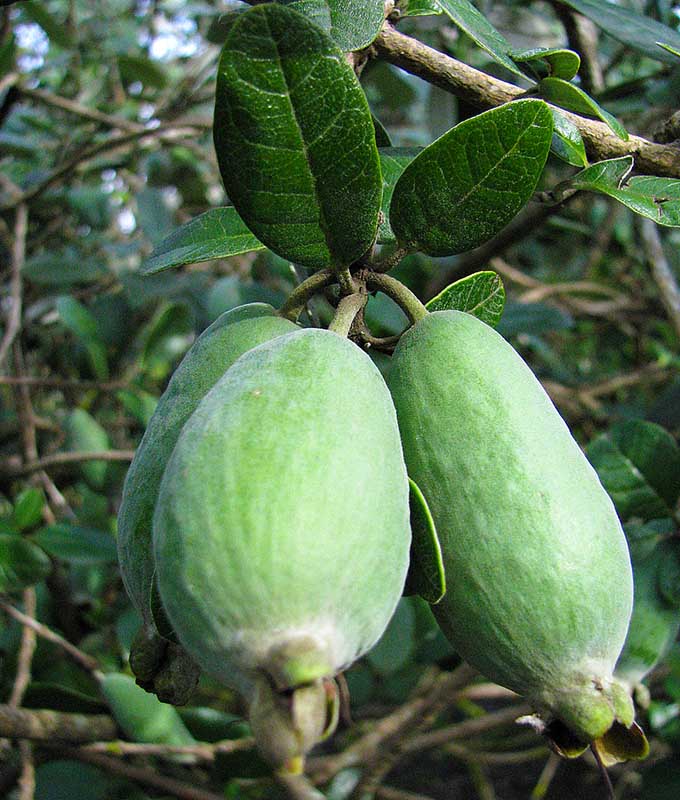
{"x": 485, "y": 91}
{"x": 145, "y": 777}
{"x": 83, "y": 660}
{"x": 201, "y": 752}
{"x": 27, "y": 776}
{"x": 47, "y": 726}
{"x": 62, "y": 383}
{"x": 18, "y": 257}
{"x": 61, "y": 459}
{"x": 26, "y": 650}
{"x": 662, "y": 272}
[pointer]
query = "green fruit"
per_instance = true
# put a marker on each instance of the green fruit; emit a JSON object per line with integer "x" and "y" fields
{"x": 656, "y": 610}
{"x": 231, "y": 335}
{"x": 281, "y": 532}
{"x": 539, "y": 579}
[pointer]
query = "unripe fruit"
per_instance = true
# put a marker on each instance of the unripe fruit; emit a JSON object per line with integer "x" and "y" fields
{"x": 281, "y": 532}
{"x": 162, "y": 666}
{"x": 539, "y": 580}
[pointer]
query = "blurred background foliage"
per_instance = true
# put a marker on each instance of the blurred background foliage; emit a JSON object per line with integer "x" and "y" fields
{"x": 105, "y": 149}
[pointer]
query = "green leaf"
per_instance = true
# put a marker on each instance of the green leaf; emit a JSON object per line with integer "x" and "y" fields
{"x": 167, "y": 337}
{"x": 393, "y": 161}
{"x": 60, "y": 779}
{"x": 84, "y": 326}
{"x": 57, "y": 32}
{"x": 639, "y": 465}
{"x": 231, "y": 291}
{"x": 567, "y": 142}
{"x": 426, "y": 576}
{"x": 141, "y": 715}
{"x": 481, "y": 294}
{"x": 382, "y": 137}
{"x": 418, "y": 8}
{"x": 28, "y": 508}
{"x": 218, "y": 233}
{"x": 352, "y": 24}
{"x": 533, "y": 318}
{"x": 480, "y": 30}
{"x": 139, "y": 403}
{"x": 468, "y": 184}
{"x": 140, "y": 68}
{"x": 568, "y": 96}
{"x": 561, "y": 63}
{"x": 652, "y": 197}
{"x": 22, "y": 564}
{"x": 77, "y": 545}
{"x": 63, "y": 267}
{"x": 85, "y": 435}
{"x": 294, "y": 139}
{"x": 636, "y": 30}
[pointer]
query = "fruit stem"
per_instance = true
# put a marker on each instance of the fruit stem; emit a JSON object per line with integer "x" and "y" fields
{"x": 298, "y": 298}
{"x": 401, "y": 295}
{"x": 347, "y": 310}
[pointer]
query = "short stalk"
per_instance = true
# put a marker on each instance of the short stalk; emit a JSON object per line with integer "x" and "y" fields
{"x": 401, "y": 295}
{"x": 390, "y": 261}
{"x": 346, "y": 313}
{"x": 299, "y": 297}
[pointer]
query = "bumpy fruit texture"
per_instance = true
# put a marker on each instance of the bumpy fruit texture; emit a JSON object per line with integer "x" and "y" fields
{"x": 538, "y": 573}
{"x": 656, "y": 610}
{"x": 281, "y": 532}
{"x": 231, "y": 335}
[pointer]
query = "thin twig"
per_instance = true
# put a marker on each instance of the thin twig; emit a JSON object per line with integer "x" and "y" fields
{"x": 62, "y": 383}
{"x": 27, "y": 778}
{"x": 26, "y": 650}
{"x": 201, "y": 752}
{"x": 42, "y": 725}
{"x": 662, "y": 272}
{"x": 61, "y": 459}
{"x": 83, "y": 660}
{"x": 18, "y": 257}
{"x": 485, "y": 91}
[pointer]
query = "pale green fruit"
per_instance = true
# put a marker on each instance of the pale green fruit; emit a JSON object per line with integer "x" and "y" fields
{"x": 539, "y": 579}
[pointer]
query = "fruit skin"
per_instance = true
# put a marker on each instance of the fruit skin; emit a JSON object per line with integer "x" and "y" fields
{"x": 281, "y": 532}
{"x": 215, "y": 350}
{"x": 539, "y": 579}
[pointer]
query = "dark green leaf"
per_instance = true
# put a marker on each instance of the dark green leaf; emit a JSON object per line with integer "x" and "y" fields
{"x": 28, "y": 508}
{"x": 142, "y": 69}
{"x": 561, "y": 63}
{"x": 533, "y": 318}
{"x": 153, "y": 215}
{"x": 18, "y": 145}
{"x": 84, "y": 326}
{"x": 139, "y": 403}
{"x": 22, "y": 564}
{"x": 352, "y": 24}
{"x": 229, "y": 292}
{"x": 66, "y": 780}
{"x": 219, "y": 233}
{"x": 636, "y": 30}
{"x": 294, "y": 139}
{"x": 480, "y": 30}
{"x": 639, "y": 465}
{"x": 393, "y": 161}
{"x": 426, "y": 576}
{"x": 63, "y": 267}
{"x": 55, "y": 29}
{"x": 481, "y": 294}
{"x": 567, "y": 142}
{"x": 77, "y": 545}
{"x": 382, "y": 137}
{"x": 469, "y": 183}
{"x": 167, "y": 337}
{"x": 652, "y": 197}
{"x": 384, "y": 317}
{"x": 84, "y": 434}
{"x": 568, "y": 96}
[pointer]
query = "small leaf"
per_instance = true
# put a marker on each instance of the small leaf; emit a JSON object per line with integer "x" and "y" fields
{"x": 140, "y": 68}
{"x": 567, "y": 142}
{"x": 652, "y": 197}
{"x": 639, "y": 465}
{"x": 568, "y": 96}
{"x": 481, "y": 294}
{"x": 426, "y": 576}
{"x": 533, "y": 318}
{"x": 218, "y": 233}
{"x": 418, "y": 8}
{"x": 28, "y": 508}
{"x": 294, "y": 139}
{"x": 480, "y": 30}
{"x": 561, "y": 63}
{"x": 64, "y": 267}
{"x": 139, "y": 403}
{"x": 84, "y": 326}
{"x": 393, "y": 161}
{"x": 167, "y": 337}
{"x": 141, "y": 715}
{"x": 382, "y": 137}
{"x": 352, "y": 24}
{"x": 469, "y": 183}
{"x": 22, "y": 564}
{"x": 84, "y": 434}
{"x": 636, "y": 30}
{"x": 77, "y": 545}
